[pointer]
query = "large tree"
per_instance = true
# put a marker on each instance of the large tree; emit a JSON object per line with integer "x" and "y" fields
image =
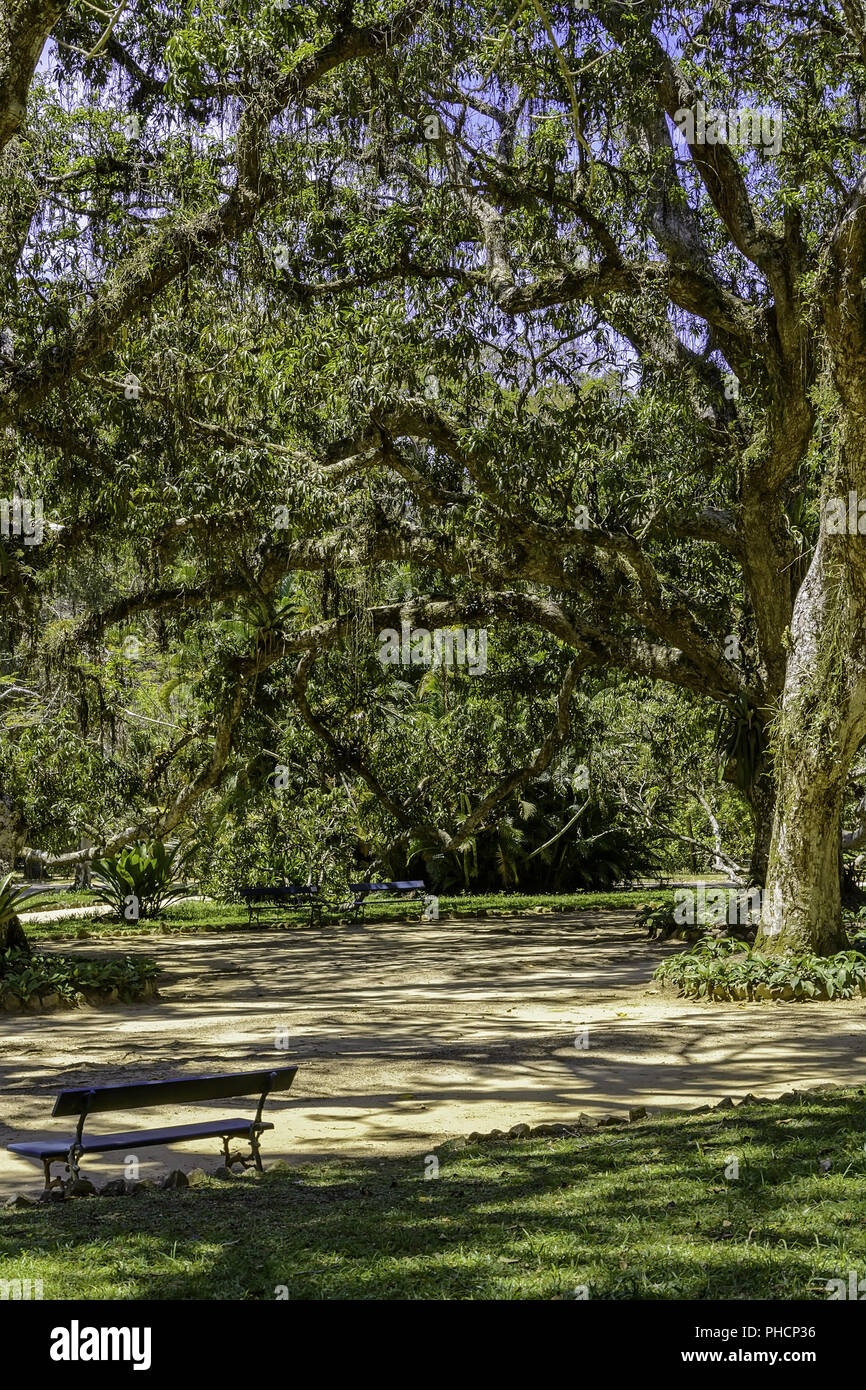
{"x": 494, "y": 304}
{"x": 131, "y": 156}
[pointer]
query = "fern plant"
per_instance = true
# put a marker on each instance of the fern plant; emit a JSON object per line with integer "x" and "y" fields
{"x": 741, "y": 742}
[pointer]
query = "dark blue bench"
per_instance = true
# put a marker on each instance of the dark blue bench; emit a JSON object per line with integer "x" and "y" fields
{"x": 393, "y": 890}
{"x": 87, "y": 1101}
{"x": 284, "y": 899}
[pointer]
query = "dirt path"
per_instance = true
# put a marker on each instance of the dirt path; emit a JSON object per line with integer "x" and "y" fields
{"x": 409, "y": 1033}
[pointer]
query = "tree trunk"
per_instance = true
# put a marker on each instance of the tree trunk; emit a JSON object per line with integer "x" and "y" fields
{"x": 81, "y": 878}
{"x": 822, "y": 722}
{"x": 13, "y": 833}
{"x": 763, "y": 806}
{"x": 12, "y": 936}
{"x": 802, "y": 905}
{"x": 12, "y": 837}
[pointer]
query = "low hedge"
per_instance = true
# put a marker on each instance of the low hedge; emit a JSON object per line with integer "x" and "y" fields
{"x": 41, "y": 980}
{"x": 724, "y": 969}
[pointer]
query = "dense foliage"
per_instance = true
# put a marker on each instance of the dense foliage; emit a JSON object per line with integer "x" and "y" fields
{"x": 26, "y": 979}
{"x": 725, "y": 969}
{"x": 320, "y": 323}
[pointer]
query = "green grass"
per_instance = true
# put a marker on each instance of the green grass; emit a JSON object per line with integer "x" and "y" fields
{"x": 638, "y": 1212}
{"x": 211, "y": 916}
{"x": 500, "y": 903}
{"x": 180, "y": 919}
{"x": 50, "y": 898}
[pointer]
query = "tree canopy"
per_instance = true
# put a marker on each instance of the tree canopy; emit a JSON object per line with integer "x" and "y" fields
{"x": 322, "y": 320}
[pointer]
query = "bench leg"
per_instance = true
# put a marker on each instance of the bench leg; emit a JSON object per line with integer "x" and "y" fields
{"x": 256, "y": 1151}
{"x": 238, "y": 1158}
{"x": 72, "y": 1167}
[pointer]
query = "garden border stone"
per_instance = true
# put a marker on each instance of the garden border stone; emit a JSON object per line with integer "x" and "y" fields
{"x": 635, "y": 1115}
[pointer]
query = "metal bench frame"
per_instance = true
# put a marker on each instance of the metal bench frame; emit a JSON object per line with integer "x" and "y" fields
{"x": 285, "y": 898}
{"x": 393, "y": 890}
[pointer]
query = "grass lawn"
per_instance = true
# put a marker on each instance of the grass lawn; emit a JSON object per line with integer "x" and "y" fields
{"x": 46, "y": 899}
{"x": 638, "y": 1212}
{"x": 209, "y": 916}
{"x": 182, "y": 917}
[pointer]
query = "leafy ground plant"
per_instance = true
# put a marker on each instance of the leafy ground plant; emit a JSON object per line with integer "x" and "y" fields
{"x": 142, "y": 880}
{"x": 27, "y": 979}
{"x": 12, "y": 901}
{"x": 725, "y": 968}
{"x": 659, "y": 920}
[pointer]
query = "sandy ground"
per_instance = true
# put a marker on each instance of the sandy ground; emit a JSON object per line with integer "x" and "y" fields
{"x": 407, "y": 1034}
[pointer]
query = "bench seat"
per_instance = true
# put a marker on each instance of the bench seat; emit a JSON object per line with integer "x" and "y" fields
{"x": 287, "y": 899}
{"x": 135, "y": 1138}
{"x": 366, "y": 895}
{"x": 86, "y": 1101}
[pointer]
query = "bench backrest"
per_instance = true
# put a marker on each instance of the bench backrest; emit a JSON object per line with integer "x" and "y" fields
{"x": 404, "y": 885}
{"x": 280, "y": 891}
{"x": 91, "y": 1099}
{"x": 369, "y": 887}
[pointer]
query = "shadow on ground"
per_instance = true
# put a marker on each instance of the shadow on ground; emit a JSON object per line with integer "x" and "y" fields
{"x": 641, "y": 1212}
{"x": 410, "y": 1032}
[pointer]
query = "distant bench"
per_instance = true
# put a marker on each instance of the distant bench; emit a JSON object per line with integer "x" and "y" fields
{"x": 403, "y": 890}
{"x": 286, "y": 899}
{"x": 88, "y": 1101}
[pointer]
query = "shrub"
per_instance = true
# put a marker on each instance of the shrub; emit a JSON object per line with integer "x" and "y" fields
{"x": 11, "y": 902}
{"x": 724, "y": 968}
{"x": 661, "y": 921}
{"x": 658, "y": 918}
{"x": 141, "y": 881}
{"x": 26, "y": 977}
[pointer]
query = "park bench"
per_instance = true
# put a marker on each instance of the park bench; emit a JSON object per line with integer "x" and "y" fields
{"x": 284, "y": 899}
{"x": 86, "y": 1101}
{"x": 404, "y": 890}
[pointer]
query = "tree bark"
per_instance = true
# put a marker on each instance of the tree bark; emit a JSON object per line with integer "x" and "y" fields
{"x": 763, "y": 805}
{"x": 802, "y": 905}
{"x": 822, "y": 722}
{"x": 24, "y": 29}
